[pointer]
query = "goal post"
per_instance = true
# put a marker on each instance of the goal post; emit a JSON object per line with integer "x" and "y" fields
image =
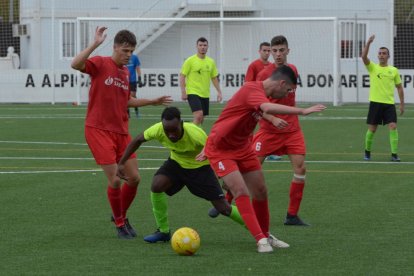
{"x": 164, "y": 44}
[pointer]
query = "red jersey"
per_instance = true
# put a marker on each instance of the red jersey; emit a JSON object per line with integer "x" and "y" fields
{"x": 108, "y": 95}
{"x": 253, "y": 70}
{"x": 234, "y": 128}
{"x": 289, "y": 100}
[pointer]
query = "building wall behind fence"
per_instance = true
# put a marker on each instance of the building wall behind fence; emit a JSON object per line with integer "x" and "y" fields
{"x": 161, "y": 60}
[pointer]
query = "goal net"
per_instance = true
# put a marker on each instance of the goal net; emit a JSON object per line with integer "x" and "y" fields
{"x": 164, "y": 44}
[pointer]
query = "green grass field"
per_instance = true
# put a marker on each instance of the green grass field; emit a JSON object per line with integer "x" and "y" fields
{"x": 55, "y": 215}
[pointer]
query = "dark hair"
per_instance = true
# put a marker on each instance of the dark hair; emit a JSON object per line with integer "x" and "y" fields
{"x": 279, "y": 40}
{"x": 264, "y": 44}
{"x": 284, "y": 72}
{"x": 202, "y": 39}
{"x": 385, "y": 48}
{"x": 125, "y": 37}
{"x": 171, "y": 113}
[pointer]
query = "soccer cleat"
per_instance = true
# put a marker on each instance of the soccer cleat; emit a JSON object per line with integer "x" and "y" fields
{"x": 213, "y": 212}
{"x": 395, "y": 158}
{"x": 274, "y": 158}
{"x": 295, "y": 220}
{"x": 158, "y": 236}
{"x": 263, "y": 246}
{"x": 273, "y": 241}
{"x": 123, "y": 233}
{"x": 367, "y": 155}
{"x": 131, "y": 229}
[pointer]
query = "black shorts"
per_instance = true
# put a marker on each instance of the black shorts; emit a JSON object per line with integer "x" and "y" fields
{"x": 133, "y": 86}
{"x": 201, "y": 182}
{"x": 381, "y": 114}
{"x": 198, "y": 103}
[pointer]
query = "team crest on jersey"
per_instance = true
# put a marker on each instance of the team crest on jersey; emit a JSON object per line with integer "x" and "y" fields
{"x": 109, "y": 80}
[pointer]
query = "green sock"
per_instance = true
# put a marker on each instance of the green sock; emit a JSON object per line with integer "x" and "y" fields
{"x": 235, "y": 215}
{"x": 394, "y": 141}
{"x": 160, "y": 210}
{"x": 369, "y": 136}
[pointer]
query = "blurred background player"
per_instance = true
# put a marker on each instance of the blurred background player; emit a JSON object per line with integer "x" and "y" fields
{"x": 252, "y": 72}
{"x": 383, "y": 80}
{"x": 134, "y": 68}
{"x": 195, "y": 76}
{"x": 231, "y": 155}
{"x": 106, "y": 124}
{"x": 259, "y": 64}
{"x": 185, "y": 141}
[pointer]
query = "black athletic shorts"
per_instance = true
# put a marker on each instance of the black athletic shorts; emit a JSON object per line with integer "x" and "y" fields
{"x": 133, "y": 86}
{"x": 201, "y": 182}
{"x": 381, "y": 114}
{"x": 198, "y": 103}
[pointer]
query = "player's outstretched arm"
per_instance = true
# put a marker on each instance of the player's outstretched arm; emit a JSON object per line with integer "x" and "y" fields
{"x": 78, "y": 62}
{"x": 365, "y": 50}
{"x": 272, "y": 108}
{"x": 131, "y": 148}
{"x": 313, "y": 109}
{"x": 163, "y": 100}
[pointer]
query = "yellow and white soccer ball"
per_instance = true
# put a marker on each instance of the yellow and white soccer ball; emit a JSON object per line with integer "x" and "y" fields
{"x": 185, "y": 241}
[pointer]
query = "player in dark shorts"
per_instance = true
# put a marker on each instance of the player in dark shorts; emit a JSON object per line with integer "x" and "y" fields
{"x": 185, "y": 141}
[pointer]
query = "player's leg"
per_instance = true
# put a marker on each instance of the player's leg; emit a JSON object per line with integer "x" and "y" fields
{"x": 166, "y": 181}
{"x": 202, "y": 182}
{"x": 374, "y": 117}
{"x": 393, "y": 133}
{"x": 129, "y": 190}
{"x": 390, "y": 118}
{"x": 134, "y": 95}
{"x": 102, "y": 145}
{"x": 237, "y": 186}
{"x": 196, "y": 108}
{"x": 114, "y": 197}
{"x": 296, "y": 190}
{"x": 257, "y": 188}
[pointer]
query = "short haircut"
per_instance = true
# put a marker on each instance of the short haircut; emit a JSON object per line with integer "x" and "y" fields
{"x": 279, "y": 40}
{"x": 202, "y": 39}
{"x": 264, "y": 44}
{"x": 171, "y": 113}
{"x": 284, "y": 72}
{"x": 385, "y": 48}
{"x": 125, "y": 37}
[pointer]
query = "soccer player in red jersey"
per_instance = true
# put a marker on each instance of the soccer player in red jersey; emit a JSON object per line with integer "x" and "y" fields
{"x": 259, "y": 64}
{"x": 232, "y": 157}
{"x": 282, "y": 134}
{"x": 106, "y": 124}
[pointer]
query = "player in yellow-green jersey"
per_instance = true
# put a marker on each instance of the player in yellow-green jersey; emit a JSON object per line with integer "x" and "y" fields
{"x": 185, "y": 141}
{"x": 195, "y": 76}
{"x": 383, "y": 79}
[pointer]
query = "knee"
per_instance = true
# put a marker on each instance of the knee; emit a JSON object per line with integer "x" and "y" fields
{"x": 157, "y": 188}
{"x": 260, "y": 193}
{"x": 134, "y": 180}
{"x": 115, "y": 182}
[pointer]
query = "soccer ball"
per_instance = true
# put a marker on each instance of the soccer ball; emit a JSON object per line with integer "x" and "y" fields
{"x": 185, "y": 241}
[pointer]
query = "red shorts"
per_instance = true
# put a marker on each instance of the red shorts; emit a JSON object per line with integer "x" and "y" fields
{"x": 265, "y": 143}
{"x": 225, "y": 162}
{"x": 107, "y": 147}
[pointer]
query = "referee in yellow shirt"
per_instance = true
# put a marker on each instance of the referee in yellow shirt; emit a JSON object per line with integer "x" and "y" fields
{"x": 383, "y": 78}
{"x": 195, "y": 76}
